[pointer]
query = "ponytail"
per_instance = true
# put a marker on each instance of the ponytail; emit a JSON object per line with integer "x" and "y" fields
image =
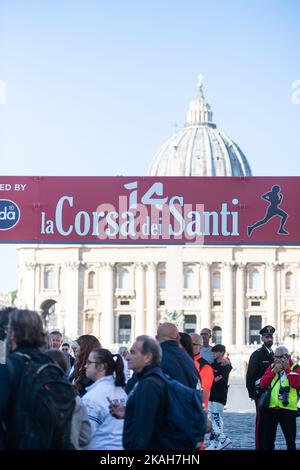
{"x": 119, "y": 370}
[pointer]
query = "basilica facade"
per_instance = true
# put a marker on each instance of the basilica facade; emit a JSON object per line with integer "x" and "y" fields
{"x": 119, "y": 292}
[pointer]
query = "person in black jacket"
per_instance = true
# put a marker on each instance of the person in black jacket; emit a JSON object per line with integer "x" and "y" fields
{"x": 176, "y": 362}
{"x": 258, "y": 363}
{"x": 24, "y": 335}
{"x": 147, "y": 401}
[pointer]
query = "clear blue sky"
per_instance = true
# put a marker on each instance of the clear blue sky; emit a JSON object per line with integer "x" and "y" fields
{"x": 95, "y": 87}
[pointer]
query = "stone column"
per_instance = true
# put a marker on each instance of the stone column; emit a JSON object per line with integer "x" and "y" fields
{"x": 99, "y": 281}
{"x": 227, "y": 336}
{"x": 107, "y": 317}
{"x": 151, "y": 319}
{"x": 140, "y": 327}
{"x": 174, "y": 278}
{"x": 205, "y": 296}
{"x": 72, "y": 298}
{"x": 38, "y": 287}
{"x": 97, "y": 326}
{"x": 240, "y": 305}
{"x": 271, "y": 295}
{"x": 99, "y": 277}
{"x": 29, "y": 286}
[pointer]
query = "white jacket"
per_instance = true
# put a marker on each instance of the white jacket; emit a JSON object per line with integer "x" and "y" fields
{"x": 107, "y": 431}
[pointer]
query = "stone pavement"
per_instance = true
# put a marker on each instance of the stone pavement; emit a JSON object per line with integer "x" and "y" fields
{"x": 239, "y": 419}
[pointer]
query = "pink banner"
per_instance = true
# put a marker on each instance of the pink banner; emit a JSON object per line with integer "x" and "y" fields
{"x": 147, "y": 210}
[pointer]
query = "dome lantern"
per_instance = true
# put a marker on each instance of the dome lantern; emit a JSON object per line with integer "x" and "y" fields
{"x": 199, "y": 111}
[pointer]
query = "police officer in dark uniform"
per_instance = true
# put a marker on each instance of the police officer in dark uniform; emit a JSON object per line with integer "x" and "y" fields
{"x": 258, "y": 363}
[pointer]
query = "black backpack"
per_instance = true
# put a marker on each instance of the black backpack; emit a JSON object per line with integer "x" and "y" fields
{"x": 42, "y": 412}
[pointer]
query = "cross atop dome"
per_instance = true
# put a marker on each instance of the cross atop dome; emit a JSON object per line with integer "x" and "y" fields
{"x": 200, "y": 79}
{"x": 199, "y": 111}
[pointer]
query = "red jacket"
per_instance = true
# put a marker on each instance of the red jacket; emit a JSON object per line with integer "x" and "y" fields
{"x": 269, "y": 375}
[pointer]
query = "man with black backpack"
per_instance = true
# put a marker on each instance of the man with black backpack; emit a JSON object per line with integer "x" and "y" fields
{"x": 161, "y": 413}
{"x": 36, "y": 402}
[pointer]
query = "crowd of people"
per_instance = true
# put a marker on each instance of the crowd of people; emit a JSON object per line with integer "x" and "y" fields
{"x": 120, "y": 401}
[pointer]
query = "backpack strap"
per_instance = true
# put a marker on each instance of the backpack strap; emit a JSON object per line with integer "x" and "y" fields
{"x": 202, "y": 362}
{"x": 271, "y": 388}
{"x": 163, "y": 376}
{"x": 24, "y": 356}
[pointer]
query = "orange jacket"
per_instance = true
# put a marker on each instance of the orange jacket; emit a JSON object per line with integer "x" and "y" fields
{"x": 206, "y": 374}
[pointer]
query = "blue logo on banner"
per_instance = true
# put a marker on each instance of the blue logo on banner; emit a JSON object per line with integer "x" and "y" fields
{"x": 9, "y": 214}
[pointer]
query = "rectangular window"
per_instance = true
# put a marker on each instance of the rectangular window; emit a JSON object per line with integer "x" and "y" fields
{"x": 255, "y": 303}
{"x": 161, "y": 302}
{"x": 124, "y": 329}
{"x": 217, "y": 303}
{"x": 255, "y": 322}
{"x": 49, "y": 280}
{"x": 125, "y": 302}
{"x": 190, "y": 323}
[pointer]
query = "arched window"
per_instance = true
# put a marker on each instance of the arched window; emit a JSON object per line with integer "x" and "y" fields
{"x": 216, "y": 280}
{"x": 124, "y": 279}
{"x": 217, "y": 335}
{"x": 289, "y": 281}
{"x": 49, "y": 314}
{"x": 49, "y": 279}
{"x": 189, "y": 279}
{"x": 254, "y": 279}
{"x": 162, "y": 280}
{"x": 91, "y": 280}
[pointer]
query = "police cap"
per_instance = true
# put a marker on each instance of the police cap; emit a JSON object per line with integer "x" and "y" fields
{"x": 267, "y": 330}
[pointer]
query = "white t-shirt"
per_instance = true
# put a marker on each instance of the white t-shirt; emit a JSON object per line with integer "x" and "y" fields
{"x": 107, "y": 431}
